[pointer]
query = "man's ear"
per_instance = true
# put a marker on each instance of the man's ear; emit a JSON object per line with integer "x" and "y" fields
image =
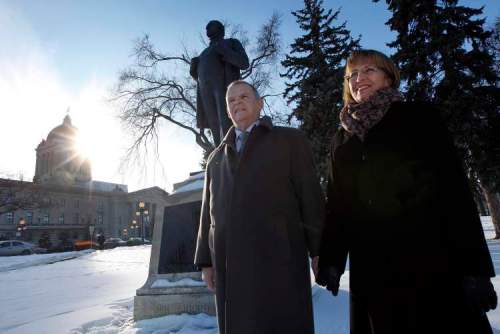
{"x": 260, "y": 103}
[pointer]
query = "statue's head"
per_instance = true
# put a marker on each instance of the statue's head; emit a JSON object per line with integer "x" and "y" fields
{"x": 215, "y": 30}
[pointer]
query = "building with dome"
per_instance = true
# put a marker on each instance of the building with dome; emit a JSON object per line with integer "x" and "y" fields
{"x": 66, "y": 203}
{"x": 58, "y": 159}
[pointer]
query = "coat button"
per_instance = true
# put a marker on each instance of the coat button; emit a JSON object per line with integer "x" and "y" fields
{"x": 370, "y": 202}
{"x": 363, "y": 157}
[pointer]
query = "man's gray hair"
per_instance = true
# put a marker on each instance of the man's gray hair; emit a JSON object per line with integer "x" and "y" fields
{"x": 243, "y": 82}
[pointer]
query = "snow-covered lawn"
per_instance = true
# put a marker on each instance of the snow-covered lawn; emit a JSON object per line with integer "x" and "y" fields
{"x": 92, "y": 292}
{"x": 18, "y": 262}
{"x": 96, "y": 287}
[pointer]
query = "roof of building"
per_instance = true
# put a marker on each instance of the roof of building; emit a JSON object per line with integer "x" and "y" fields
{"x": 65, "y": 131}
{"x": 195, "y": 181}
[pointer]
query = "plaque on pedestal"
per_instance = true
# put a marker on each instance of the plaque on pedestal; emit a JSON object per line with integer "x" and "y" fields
{"x": 174, "y": 284}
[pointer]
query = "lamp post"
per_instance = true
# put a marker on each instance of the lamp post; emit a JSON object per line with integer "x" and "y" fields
{"x": 21, "y": 227}
{"x": 91, "y": 231}
{"x": 134, "y": 227}
{"x": 142, "y": 212}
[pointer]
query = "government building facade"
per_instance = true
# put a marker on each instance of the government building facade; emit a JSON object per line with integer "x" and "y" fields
{"x": 64, "y": 204}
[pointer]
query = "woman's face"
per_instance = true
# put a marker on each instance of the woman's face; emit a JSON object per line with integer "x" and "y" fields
{"x": 365, "y": 79}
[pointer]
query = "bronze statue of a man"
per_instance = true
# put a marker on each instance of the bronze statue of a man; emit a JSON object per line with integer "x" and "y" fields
{"x": 214, "y": 69}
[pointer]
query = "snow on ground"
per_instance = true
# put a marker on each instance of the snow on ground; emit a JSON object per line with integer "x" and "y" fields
{"x": 58, "y": 297}
{"x": 489, "y": 230}
{"x": 23, "y": 261}
{"x": 93, "y": 294}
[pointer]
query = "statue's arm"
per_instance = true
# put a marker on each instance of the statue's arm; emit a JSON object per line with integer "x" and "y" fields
{"x": 193, "y": 69}
{"x": 233, "y": 52}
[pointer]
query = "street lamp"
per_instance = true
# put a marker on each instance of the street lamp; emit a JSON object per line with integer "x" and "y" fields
{"x": 21, "y": 227}
{"x": 91, "y": 232}
{"x": 142, "y": 212}
{"x": 134, "y": 228}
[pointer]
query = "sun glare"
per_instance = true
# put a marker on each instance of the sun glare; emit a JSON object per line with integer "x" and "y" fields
{"x": 84, "y": 146}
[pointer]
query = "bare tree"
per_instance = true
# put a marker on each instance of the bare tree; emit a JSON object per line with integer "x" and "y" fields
{"x": 157, "y": 87}
{"x": 20, "y": 195}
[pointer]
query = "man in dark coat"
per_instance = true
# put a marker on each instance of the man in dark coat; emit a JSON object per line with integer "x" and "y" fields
{"x": 214, "y": 69}
{"x": 262, "y": 215}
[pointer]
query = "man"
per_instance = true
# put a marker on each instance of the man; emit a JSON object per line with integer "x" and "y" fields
{"x": 262, "y": 215}
{"x": 214, "y": 69}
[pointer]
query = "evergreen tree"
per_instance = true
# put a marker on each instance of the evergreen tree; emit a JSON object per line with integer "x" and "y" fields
{"x": 314, "y": 74}
{"x": 442, "y": 51}
{"x": 493, "y": 44}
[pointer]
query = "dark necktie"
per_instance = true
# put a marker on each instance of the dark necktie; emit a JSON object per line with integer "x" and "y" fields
{"x": 242, "y": 138}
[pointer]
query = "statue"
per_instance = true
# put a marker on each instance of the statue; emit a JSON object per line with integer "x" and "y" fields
{"x": 214, "y": 69}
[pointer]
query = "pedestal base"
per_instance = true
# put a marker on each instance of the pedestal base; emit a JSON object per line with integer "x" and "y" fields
{"x": 165, "y": 294}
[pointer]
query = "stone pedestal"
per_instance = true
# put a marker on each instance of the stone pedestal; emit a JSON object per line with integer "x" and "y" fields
{"x": 174, "y": 285}
{"x": 157, "y": 300}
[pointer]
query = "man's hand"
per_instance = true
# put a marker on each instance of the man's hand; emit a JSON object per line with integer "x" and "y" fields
{"x": 479, "y": 294}
{"x": 329, "y": 277}
{"x": 314, "y": 266}
{"x": 208, "y": 276}
{"x": 193, "y": 69}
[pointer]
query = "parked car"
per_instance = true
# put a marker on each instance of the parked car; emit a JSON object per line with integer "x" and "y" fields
{"x": 17, "y": 247}
{"x": 134, "y": 241}
{"x": 114, "y": 242}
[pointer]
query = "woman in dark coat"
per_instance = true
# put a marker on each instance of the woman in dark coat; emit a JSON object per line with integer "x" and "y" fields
{"x": 399, "y": 205}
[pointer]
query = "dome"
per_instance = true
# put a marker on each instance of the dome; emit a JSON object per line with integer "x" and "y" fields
{"x": 58, "y": 159}
{"x": 65, "y": 131}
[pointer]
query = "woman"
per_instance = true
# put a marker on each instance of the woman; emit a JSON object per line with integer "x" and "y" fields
{"x": 400, "y": 206}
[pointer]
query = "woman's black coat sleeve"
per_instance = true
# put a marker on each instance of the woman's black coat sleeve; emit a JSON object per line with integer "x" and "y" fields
{"x": 469, "y": 253}
{"x": 334, "y": 245}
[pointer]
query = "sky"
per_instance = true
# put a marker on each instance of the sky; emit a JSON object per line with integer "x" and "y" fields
{"x": 62, "y": 54}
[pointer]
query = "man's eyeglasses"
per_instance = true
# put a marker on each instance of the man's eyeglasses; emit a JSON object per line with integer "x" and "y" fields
{"x": 368, "y": 71}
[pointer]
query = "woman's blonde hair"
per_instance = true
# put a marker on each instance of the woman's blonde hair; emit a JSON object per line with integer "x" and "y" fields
{"x": 373, "y": 57}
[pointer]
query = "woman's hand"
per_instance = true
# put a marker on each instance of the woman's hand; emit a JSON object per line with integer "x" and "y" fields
{"x": 330, "y": 277}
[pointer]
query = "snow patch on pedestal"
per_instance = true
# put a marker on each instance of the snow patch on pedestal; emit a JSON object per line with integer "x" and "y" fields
{"x": 164, "y": 283}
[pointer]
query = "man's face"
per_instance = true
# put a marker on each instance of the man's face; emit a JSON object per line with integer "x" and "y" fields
{"x": 243, "y": 106}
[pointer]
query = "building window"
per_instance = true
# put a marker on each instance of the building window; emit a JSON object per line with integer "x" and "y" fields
{"x": 100, "y": 206}
{"x": 100, "y": 218}
{"x": 10, "y": 217}
{"x": 76, "y": 218}
{"x": 29, "y": 217}
{"x": 77, "y": 204}
{"x": 46, "y": 219}
{"x": 63, "y": 202}
{"x": 61, "y": 218}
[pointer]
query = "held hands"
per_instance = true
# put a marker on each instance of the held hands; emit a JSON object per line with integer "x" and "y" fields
{"x": 479, "y": 294}
{"x": 314, "y": 266}
{"x": 208, "y": 276}
{"x": 330, "y": 277}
